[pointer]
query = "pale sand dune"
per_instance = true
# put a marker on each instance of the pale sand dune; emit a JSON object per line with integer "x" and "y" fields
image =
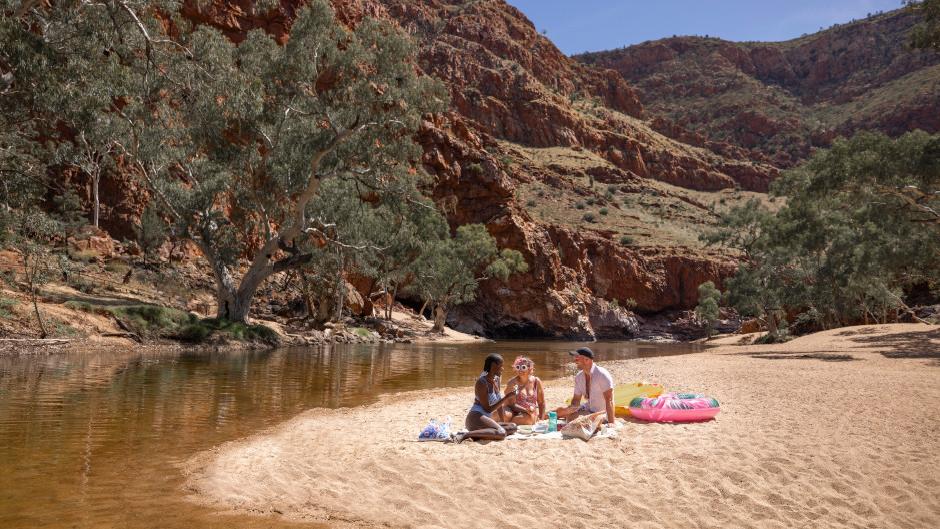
{"x": 799, "y": 443}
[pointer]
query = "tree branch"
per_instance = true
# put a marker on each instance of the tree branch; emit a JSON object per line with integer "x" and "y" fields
{"x": 25, "y": 6}
{"x": 915, "y": 198}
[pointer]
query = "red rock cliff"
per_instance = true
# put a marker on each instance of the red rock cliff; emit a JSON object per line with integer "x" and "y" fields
{"x": 508, "y": 83}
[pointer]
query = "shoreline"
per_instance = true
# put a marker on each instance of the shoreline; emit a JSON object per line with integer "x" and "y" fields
{"x": 798, "y": 441}
{"x": 409, "y": 329}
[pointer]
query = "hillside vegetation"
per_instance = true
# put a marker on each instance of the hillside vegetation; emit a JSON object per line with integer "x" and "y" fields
{"x": 780, "y": 100}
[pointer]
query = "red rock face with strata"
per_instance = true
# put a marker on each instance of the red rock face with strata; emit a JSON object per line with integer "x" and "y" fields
{"x": 509, "y": 83}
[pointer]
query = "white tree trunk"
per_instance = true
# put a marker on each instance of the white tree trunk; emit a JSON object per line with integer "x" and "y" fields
{"x": 95, "y": 180}
{"x": 233, "y": 306}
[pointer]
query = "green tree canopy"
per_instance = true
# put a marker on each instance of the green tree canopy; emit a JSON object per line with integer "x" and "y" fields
{"x": 707, "y": 310}
{"x": 859, "y": 226}
{"x": 927, "y": 33}
{"x": 235, "y": 142}
{"x": 450, "y": 271}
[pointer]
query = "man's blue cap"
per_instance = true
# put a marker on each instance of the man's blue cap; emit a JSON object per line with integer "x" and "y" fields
{"x": 583, "y": 351}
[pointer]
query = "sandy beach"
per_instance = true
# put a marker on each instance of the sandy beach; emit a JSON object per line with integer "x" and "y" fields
{"x": 837, "y": 429}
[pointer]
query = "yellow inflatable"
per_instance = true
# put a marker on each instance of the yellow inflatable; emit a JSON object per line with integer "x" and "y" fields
{"x": 624, "y": 393}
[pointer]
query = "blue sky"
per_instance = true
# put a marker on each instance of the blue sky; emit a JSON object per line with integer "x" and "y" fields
{"x": 590, "y": 25}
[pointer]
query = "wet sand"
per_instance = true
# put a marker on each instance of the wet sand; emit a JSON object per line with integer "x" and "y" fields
{"x": 824, "y": 431}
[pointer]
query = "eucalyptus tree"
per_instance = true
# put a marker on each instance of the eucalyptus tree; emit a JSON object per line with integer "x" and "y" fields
{"x": 62, "y": 64}
{"x": 378, "y": 237}
{"x": 235, "y": 141}
{"x": 263, "y": 126}
{"x": 22, "y": 157}
{"x": 860, "y": 226}
{"x": 450, "y": 271}
{"x": 403, "y": 234}
{"x": 707, "y": 311}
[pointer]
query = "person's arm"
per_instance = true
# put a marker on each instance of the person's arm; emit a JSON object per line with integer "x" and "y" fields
{"x": 609, "y": 401}
{"x": 513, "y": 387}
{"x": 483, "y": 398}
{"x": 543, "y": 413}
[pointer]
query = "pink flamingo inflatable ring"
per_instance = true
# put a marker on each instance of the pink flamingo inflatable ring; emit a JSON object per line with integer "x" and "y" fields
{"x": 675, "y": 407}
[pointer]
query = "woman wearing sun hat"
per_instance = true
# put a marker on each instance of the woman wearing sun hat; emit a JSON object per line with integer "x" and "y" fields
{"x": 529, "y": 405}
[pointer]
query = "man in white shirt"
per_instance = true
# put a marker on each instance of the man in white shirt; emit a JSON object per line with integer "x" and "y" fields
{"x": 592, "y": 382}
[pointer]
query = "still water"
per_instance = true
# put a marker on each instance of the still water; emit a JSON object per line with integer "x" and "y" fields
{"x": 96, "y": 440}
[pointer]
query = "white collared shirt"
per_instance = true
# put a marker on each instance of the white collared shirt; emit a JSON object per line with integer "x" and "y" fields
{"x": 601, "y": 381}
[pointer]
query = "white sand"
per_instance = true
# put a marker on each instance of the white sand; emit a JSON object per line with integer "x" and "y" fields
{"x": 800, "y": 442}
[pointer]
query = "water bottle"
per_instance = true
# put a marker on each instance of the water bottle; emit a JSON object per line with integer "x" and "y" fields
{"x": 552, "y": 421}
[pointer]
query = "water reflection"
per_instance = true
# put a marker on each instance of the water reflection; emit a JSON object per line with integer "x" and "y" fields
{"x": 95, "y": 440}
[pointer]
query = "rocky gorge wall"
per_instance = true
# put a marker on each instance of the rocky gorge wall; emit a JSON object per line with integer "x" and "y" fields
{"x": 508, "y": 83}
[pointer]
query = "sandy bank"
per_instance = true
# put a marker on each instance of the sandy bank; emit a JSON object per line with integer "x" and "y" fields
{"x": 824, "y": 431}
{"x": 75, "y": 330}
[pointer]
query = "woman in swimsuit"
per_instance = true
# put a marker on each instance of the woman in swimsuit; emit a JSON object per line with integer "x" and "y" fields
{"x": 529, "y": 406}
{"x": 487, "y": 403}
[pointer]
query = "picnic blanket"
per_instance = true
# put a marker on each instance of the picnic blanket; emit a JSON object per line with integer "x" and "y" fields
{"x": 606, "y": 431}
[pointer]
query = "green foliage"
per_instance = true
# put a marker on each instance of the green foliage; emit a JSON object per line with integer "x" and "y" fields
{"x": 603, "y": 211}
{"x": 150, "y": 232}
{"x": 194, "y": 333}
{"x": 69, "y": 211}
{"x": 116, "y": 266}
{"x": 382, "y": 241}
{"x": 234, "y": 142}
{"x": 62, "y": 328}
{"x": 707, "y": 310}
{"x": 31, "y": 235}
{"x": 509, "y": 262}
{"x": 5, "y": 305}
{"x": 781, "y": 335}
{"x": 927, "y": 33}
{"x": 626, "y": 240}
{"x": 153, "y": 321}
{"x": 579, "y": 205}
{"x": 200, "y": 331}
{"x": 84, "y": 307}
{"x": 450, "y": 270}
{"x": 81, "y": 284}
{"x": 588, "y": 217}
{"x": 859, "y": 225}
{"x": 361, "y": 332}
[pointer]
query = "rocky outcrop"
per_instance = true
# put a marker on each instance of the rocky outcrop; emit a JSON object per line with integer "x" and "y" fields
{"x": 776, "y": 102}
{"x": 508, "y": 83}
